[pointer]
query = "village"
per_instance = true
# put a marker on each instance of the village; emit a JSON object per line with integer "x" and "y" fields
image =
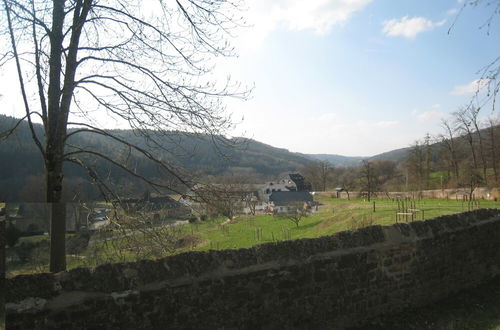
{"x": 290, "y": 195}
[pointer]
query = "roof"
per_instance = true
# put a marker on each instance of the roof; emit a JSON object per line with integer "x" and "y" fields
{"x": 289, "y": 197}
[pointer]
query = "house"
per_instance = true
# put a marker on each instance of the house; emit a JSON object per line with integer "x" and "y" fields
{"x": 283, "y": 201}
{"x": 168, "y": 207}
{"x": 264, "y": 190}
{"x": 234, "y": 198}
{"x": 226, "y": 199}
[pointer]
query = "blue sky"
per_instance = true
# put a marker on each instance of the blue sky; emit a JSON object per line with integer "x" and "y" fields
{"x": 349, "y": 77}
{"x": 357, "y": 77}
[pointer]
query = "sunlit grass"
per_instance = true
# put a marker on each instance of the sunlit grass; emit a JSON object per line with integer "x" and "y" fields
{"x": 334, "y": 215}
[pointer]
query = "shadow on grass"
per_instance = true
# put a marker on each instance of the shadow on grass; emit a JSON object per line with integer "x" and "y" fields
{"x": 309, "y": 225}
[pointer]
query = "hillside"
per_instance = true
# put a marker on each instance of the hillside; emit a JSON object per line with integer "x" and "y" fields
{"x": 337, "y": 160}
{"x": 397, "y": 155}
{"x": 21, "y": 165}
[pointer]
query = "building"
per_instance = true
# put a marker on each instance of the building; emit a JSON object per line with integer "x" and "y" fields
{"x": 284, "y": 201}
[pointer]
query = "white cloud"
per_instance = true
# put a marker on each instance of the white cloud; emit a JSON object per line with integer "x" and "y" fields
{"x": 408, "y": 27}
{"x": 320, "y": 16}
{"x": 387, "y": 123}
{"x": 471, "y": 88}
{"x": 428, "y": 116}
{"x": 452, "y": 12}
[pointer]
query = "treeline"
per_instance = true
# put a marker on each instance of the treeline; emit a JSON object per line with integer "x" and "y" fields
{"x": 369, "y": 177}
{"x": 465, "y": 154}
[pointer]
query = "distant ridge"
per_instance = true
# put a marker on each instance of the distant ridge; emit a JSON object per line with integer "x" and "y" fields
{"x": 19, "y": 158}
{"x": 397, "y": 155}
{"x": 337, "y": 160}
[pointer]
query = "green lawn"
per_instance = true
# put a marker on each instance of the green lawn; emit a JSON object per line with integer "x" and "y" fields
{"x": 334, "y": 215}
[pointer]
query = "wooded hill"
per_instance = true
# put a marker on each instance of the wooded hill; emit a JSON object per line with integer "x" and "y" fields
{"x": 451, "y": 159}
{"x": 21, "y": 166}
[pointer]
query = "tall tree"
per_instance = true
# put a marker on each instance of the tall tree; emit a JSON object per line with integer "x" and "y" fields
{"x": 448, "y": 139}
{"x": 473, "y": 114}
{"x": 319, "y": 174}
{"x": 427, "y": 163}
{"x": 146, "y": 68}
{"x": 492, "y": 145}
{"x": 464, "y": 127}
{"x": 368, "y": 178}
{"x": 416, "y": 164}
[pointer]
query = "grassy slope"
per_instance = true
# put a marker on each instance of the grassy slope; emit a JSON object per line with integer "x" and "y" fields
{"x": 334, "y": 215}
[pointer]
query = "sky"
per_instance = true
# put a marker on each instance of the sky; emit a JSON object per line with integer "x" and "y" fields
{"x": 357, "y": 77}
{"x": 348, "y": 77}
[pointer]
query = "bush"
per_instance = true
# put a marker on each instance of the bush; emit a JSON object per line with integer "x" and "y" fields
{"x": 78, "y": 243}
{"x": 193, "y": 219}
{"x": 203, "y": 217}
{"x": 12, "y": 235}
{"x": 24, "y": 251}
{"x": 33, "y": 255}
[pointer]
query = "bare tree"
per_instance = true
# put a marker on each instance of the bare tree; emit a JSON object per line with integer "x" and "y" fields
{"x": 79, "y": 61}
{"x": 319, "y": 174}
{"x": 473, "y": 114}
{"x": 368, "y": 178}
{"x": 492, "y": 139}
{"x": 295, "y": 212}
{"x": 448, "y": 139}
{"x": 471, "y": 179}
{"x": 427, "y": 157}
{"x": 465, "y": 128}
{"x": 228, "y": 197}
{"x": 416, "y": 164}
{"x": 348, "y": 180}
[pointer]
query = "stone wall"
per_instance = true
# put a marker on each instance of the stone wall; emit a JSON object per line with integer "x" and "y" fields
{"x": 330, "y": 282}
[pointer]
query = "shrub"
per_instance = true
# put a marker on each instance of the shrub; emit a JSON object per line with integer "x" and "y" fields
{"x": 12, "y": 235}
{"x": 78, "y": 243}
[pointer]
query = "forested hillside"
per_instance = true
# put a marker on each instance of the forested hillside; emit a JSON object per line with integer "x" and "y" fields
{"x": 461, "y": 156}
{"x": 21, "y": 165}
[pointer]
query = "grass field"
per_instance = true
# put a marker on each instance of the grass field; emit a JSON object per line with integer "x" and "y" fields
{"x": 334, "y": 215}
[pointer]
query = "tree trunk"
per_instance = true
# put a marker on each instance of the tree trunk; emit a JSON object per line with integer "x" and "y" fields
{"x": 55, "y": 133}
{"x": 54, "y": 177}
